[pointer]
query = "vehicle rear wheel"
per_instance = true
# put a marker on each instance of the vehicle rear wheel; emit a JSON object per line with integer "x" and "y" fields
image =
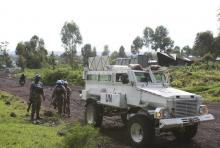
{"x": 186, "y": 133}
{"x": 94, "y": 114}
{"x": 141, "y": 131}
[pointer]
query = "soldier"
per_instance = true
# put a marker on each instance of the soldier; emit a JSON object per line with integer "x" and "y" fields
{"x": 36, "y": 95}
{"x": 58, "y": 96}
{"x": 22, "y": 80}
{"x": 66, "y": 106}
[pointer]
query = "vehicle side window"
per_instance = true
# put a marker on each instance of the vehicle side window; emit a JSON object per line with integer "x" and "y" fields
{"x": 105, "y": 78}
{"x": 159, "y": 77}
{"x": 143, "y": 77}
{"x": 122, "y": 77}
{"x": 92, "y": 77}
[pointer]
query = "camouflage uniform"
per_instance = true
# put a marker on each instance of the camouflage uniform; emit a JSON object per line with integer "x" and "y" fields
{"x": 58, "y": 96}
{"x": 66, "y": 106}
{"x": 36, "y": 94}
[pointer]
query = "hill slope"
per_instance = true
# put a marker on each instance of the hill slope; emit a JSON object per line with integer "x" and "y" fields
{"x": 200, "y": 79}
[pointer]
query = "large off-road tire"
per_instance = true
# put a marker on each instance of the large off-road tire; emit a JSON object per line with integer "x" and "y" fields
{"x": 186, "y": 133}
{"x": 141, "y": 131}
{"x": 94, "y": 114}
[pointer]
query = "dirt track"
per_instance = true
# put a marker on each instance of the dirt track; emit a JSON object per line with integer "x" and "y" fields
{"x": 208, "y": 135}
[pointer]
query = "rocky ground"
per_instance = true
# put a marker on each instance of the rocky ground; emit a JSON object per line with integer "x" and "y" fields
{"x": 208, "y": 135}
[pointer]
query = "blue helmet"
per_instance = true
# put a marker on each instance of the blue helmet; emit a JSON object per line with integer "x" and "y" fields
{"x": 62, "y": 82}
{"x": 65, "y": 83}
{"x": 37, "y": 77}
{"x": 59, "y": 82}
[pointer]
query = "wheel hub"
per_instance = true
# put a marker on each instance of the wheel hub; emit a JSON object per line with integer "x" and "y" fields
{"x": 136, "y": 132}
{"x": 90, "y": 115}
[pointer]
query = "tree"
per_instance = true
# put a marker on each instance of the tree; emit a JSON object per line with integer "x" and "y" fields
{"x": 52, "y": 60}
{"x": 176, "y": 50}
{"x": 187, "y": 51}
{"x": 5, "y": 59}
{"x": 148, "y": 36}
{"x": 149, "y": 55}
{"x": 113, "y": 57}
{"x": 21, "y": 62}
{"x": 219, "y": 20}
{"x": 33, "y": 53}
{"x": 94, "y": 52}
{"x": 138, "y": 43}
{"x": 161, "y": 40}
{"x": 216, "y": 46}
{"x": 204, "y": 43}
{"x": 70, "y": 37}
{"x": 122, "y": 53}
{"x": 86, "y": 53}
{"x": 105, "y": 51}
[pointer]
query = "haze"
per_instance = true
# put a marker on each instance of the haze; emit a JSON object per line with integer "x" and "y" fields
{"x": 101, "y": 22}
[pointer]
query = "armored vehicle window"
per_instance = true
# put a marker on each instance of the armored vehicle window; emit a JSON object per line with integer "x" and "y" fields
{"x": 105, "y": 78}
{"x": 160, "y": 77}
{"x": 143, "y": 77}
{"x": 92, "y": 77}
{"x": 121, "y": 76}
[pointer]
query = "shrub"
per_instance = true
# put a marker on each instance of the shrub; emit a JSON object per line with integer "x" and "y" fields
{"x": 72, "y": 76}
{"x": 50, "y": 76}
{"x": 199, "y": 79}
{"x": 78, "y": 136}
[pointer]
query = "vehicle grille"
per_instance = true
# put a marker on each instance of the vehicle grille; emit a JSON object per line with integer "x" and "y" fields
{"x": 185, "y": 107}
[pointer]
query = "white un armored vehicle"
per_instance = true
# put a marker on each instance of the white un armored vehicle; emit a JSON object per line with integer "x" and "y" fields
{"x": 143, "y": 98}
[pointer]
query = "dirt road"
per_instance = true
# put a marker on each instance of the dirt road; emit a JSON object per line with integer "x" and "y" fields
{"x": 208, "y": 135}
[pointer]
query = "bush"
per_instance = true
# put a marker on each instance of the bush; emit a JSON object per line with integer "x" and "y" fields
{"x": 72, "y": 76}
{"x": 77, "y": 136}
{"x": 199, "y": 79}
{"x": 50, "y": 76}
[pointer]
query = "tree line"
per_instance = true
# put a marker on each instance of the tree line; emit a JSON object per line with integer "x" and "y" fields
{"x": 33, "y": 54}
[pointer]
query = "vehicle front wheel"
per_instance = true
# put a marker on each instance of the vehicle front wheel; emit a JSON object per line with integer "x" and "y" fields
{"x": 94, "y": 114}
{"x": 141, "y": 131}
{"x": 186, "y": 133}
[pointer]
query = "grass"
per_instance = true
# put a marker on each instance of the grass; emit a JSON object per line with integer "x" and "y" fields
{"x": 201, "y": 79}
{"x": 19, "y": 132}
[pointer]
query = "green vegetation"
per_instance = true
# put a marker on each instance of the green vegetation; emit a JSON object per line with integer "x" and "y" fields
{"x": 31, "y": 54}
{"x": 201, "y": 79}
{"x": 50, "y": 76}
{"x": 19, "y": 132}
{"x": 78, "y": 136}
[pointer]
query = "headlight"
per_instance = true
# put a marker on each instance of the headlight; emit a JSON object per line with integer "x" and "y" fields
{"x": 161, "y": 113}
{"x": 157, "y": 115}
{"x": 203, "y": 109}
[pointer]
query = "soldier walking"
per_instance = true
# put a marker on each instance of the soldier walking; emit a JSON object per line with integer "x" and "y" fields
{"x": 36, "y": 96}
{"x": 66, "y": 106}
{"x": 58, "y": 96}
{"x": 22, "y": 80}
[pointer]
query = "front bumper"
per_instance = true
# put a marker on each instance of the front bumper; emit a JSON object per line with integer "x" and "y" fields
{"x": 180, "y": 122}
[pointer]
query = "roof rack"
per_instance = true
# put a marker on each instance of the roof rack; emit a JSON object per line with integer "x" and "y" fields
{"x": 98, "y": 63}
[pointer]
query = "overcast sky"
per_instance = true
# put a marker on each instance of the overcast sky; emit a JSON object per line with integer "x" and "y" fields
{"x": 101, "y": 22}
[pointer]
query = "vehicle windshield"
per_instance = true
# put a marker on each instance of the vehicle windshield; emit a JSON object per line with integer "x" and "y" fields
{"x": 160, "y": 77}
{"x": 143, "y": 77}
